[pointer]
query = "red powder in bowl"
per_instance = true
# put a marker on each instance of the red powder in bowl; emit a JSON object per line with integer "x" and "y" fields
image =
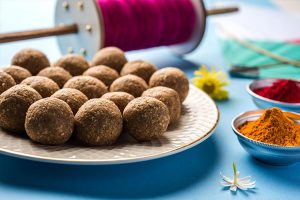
{"x": 287, "y": 91}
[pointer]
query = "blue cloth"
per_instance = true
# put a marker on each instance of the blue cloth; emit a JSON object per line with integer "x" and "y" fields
{"x": 192, "y": 174}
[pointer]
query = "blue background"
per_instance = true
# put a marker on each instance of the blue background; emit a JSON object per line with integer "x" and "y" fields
{"x": 193, "y": 174}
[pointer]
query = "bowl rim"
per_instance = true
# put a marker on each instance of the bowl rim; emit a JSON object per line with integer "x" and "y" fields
{"x": 252, "y": 93}
{"x": 273, "y": 146}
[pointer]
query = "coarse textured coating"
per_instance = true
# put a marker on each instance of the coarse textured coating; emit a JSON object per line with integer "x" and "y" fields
{"x": 105, "y": 74}
{"x": 131, "y": 84}
{"x": 273, "y": 127}
{"x": 171, "y": 77}
{"x": 43, "y": 85}
{"x": 169, "y": 97}
{"x": 146, "y": 118}
{"x": 57, "y": 74}
{"x": 139, "y": 68}
{"x": 31, "y": 59}
{"x": 6, "y": 81}
{"x": 121, "y": 99}
{"x": 75, "y": 64}
{"x": 49, "y": 121}
{"x": 18, "y": 73}
{"x": 74, "y": 98}
{"x": 110, "y": 56}
{"x": 90, "y": 86}
{"x": 98, "y": 123}
{"x": 14, "y": 104}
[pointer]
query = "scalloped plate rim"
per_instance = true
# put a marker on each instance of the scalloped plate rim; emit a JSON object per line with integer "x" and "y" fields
{"x": 119, "y": 161}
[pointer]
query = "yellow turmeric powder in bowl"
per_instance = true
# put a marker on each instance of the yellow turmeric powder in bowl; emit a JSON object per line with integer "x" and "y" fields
{"x": 273, "y": 127}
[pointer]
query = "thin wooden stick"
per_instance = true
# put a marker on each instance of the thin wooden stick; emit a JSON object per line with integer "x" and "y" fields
{"x": 25, "y": 35}
{"x": 217, "y": 11}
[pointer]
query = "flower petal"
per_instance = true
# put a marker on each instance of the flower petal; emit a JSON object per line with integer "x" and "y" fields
{"x": 233, "y": 188}
{"x": 225, "y": 184}
{"x": 226, "y": 178}
{"x": 211, "y": 82}
{"x": 242, "y": 187}
{"x": 220, "y": 95}
{"x": 198, "y": 72}
{"x": 246, "y": 178}
{"x": 251, "y": 186}
{"x": 248, "y": 184}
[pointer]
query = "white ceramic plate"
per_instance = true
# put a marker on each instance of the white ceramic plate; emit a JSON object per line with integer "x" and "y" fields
{"x": 199, "y": 118}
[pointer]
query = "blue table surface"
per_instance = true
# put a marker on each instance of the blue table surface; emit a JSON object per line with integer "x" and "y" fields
{"x": 192, "y": 174}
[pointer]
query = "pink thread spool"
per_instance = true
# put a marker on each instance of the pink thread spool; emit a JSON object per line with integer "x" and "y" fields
{"x": 92, "y": 22}
{"x": 85, "y": 26}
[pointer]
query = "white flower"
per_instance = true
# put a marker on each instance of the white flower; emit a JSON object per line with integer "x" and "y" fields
{"x": 237, "y": 182}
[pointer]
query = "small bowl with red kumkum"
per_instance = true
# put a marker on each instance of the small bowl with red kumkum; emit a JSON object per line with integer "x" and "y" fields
{"x": 282, "y": 93}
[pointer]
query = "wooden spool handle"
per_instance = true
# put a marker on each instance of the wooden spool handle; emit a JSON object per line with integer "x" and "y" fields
{"x": 25, "y": 35}
{"x": 71, "y": 29}
{"x": 217, "y": 11}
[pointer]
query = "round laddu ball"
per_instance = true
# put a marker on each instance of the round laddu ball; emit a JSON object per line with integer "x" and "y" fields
{"x": 31, "y": 59}
{"x": 131, "y": 84}
{"x": 74, "y": 98}
{"x": 6, "y": 81}
{"x": 105, "y": 74}
{"x": 121, "y": 99}
{"x": 49, "y": 121}
{"x": 139, "y": 68}
{"x": 75, "y": 64}
{"x": 98, "y": 123}
{"x": 14, "y": 104}
{"x": 90, "y": 86}
{"x": 18, "y": 73}
{"x": 110, "y": 56}
{"x": 146, "y": 118}
{"x": 43, "y": 85}
{"x": 171, "y": 77}
{"x": 57, "y": 74}
{"x": 169, "y": 97}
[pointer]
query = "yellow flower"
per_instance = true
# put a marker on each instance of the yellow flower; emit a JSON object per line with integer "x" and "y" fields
{"x": 211, "y": 82}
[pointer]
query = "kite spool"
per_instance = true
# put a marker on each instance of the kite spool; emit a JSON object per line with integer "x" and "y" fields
{"x": 85, "y": 26}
